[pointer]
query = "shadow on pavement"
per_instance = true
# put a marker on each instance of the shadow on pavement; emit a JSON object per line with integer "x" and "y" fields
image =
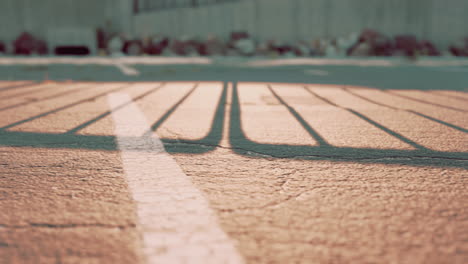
{"x": 409, "y": 111}
{"x": 420, "y": 156}
{"x": 206, "y": 144}
{"x": 57, "y": 95}
{"x": 425, "y": 102}
{"x": 17, "y": 86}
{"x": 239, "y": 142}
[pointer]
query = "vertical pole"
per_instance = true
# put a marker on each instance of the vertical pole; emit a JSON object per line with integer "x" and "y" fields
{"x": 295, "y": 15}
{"x": 136, "y": 7}
{"x": 257, "y": 19}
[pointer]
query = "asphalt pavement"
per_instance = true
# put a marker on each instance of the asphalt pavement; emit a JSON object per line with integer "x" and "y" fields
{"x": 233, "y": 164}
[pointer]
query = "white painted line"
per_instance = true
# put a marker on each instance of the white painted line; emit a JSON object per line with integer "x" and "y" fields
{"x": 103, "y": 60}
{"x": 317, "y": 72}
{"x": 176, "y": 221}
{"x": 326, "y": 61}
{"x": 127, "y": 70}
{"x": 451, "y": 69}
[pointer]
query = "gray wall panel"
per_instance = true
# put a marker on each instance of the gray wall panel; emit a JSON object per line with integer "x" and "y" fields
{"x": 442, "y": 21}
{"x": 37, "y": 16}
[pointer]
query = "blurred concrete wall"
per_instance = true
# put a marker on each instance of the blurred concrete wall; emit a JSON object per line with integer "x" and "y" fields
{"x": 37, "y": 16}
{"x": 441, "y": 21}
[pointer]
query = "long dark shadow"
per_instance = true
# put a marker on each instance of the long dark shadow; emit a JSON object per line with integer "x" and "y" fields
{"x": 74, "y": 90}
{"x": 370, "y": 121}
{"x": 61, "y": 108}
{"x": 451, "y": 96}
{"x": 38, "y": 88}
{"x": 370, "y": 100}
{"x": 101, "y": 116}
{"x": 241, "y": 145}
{"x": 209, "y": 142}
{"x": 423, "y": 101}
{"x": 171, "y": 110}
{"x": 57, "y": 141}
{"x": 320, "y": 140}
{"x": 424, "y": 157}
{"x": 439, "y": 121}
{"x": 19, "y": 86}
{"x": 409, "y": 111}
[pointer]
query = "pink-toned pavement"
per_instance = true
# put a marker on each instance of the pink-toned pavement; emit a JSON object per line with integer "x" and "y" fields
{"x": 294, "y": 173}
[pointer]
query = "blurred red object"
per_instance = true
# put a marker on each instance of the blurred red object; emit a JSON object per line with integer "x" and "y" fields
{"x": 133, "y": 47}
{"x": 235, "y": 36}
{"x": 407, "y": 44}
{"x": 27, "y": 44}
{"x": 185, "y": 46}
{"x": 2, "y": 47}
{"x": 460, "y": 49}
{"x": 369, "y": 36}
{"x": 372, "y": 43}
{"x": 156, "y": 45}
{"x": 429, "y": 49}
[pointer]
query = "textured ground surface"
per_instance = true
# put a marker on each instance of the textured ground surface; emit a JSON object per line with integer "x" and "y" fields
{"x": 296, "y": 172}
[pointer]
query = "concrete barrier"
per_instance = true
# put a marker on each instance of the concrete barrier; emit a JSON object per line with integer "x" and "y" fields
{"x": 441, "y": 21}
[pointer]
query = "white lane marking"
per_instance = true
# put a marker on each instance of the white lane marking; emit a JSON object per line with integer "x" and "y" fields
{"x": 176, "y": 221}
{"x": 317, "y": 72}
{"x": 326, "y": 61}
{"x": 103, "y": 60}
{"x": 127, "y": 70}
{"x": 452, "y": 69}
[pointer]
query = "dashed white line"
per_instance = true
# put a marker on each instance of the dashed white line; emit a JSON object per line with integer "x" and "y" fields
{"x": 175, "y": 219}
{"x": 451, "y": 69}
{"x": 127, "y": 70}
{"x": 317, "y": 72}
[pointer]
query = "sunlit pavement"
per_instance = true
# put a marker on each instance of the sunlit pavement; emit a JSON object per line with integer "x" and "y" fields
{"x": 319, "y": 164}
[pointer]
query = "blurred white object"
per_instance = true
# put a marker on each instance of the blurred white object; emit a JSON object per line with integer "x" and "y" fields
{"x": 330, "y": 49}
{"x": 361, "y": 50}
{"x": 115, "y": 46}
{"x": 302, "y": 48}
{"x": 245, "y": 46}
{"x": 345, "y": 43}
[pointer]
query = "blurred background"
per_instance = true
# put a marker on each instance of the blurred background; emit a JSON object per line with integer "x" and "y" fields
{"x": 332, "y": 28}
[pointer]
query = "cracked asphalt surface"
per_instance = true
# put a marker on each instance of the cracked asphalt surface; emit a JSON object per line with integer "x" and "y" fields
{"x": 297, "y": 171}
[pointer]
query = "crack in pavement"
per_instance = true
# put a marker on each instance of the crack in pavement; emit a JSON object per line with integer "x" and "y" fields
{"x": 267, "y": 205}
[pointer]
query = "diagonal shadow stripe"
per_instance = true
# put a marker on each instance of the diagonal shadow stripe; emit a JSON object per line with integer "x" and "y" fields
{"x": 103, "y": 115}
{"x": 439, "y": 121}
{"x": 61, "y": 108}
{"x": 170, "y": 111}
{"x": 370, "y": 121}
{"x": 320, "y": 140}
{"x": 406, "y": 110}
{"x": 451, "y": 96}
{"x": 243, "y": 146}
{"x": 19, "y": 86}
{"x": 74, "y": 90}
{"x": 210, "y": 142}
{"x": 423, "y": 101}
{"x": 37, "y": 89}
